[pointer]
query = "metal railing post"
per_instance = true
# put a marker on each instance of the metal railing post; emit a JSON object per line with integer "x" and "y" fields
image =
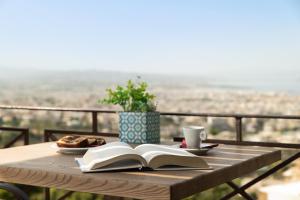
{"x": 46, "y": 136}
{"x": 95, "y": 122}
{"x": 239, "y": 129}
{"x": 26, "y": 137}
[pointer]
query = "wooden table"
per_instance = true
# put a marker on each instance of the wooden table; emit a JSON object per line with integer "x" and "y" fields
{"x": 40, "y": 165}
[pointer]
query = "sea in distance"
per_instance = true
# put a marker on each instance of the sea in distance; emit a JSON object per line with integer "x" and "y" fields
{"x": 287, "y": 81}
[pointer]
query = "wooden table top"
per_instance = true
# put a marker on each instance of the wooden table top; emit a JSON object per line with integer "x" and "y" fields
{"x": 40, "y": 165}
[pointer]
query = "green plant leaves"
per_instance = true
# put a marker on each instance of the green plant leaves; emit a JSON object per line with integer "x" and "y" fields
{"x": 132, "y": 98}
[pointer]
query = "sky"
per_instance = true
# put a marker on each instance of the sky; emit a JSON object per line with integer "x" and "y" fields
{"x": 153, "y": 36}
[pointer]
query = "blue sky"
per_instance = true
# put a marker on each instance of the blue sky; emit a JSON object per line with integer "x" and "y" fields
{"x": 153, "y": 36}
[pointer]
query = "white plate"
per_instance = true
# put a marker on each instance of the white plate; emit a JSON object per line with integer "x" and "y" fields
{"x": 65, "y": 150}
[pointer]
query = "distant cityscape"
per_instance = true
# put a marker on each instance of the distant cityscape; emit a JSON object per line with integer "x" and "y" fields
{"x": 82, "y": 89}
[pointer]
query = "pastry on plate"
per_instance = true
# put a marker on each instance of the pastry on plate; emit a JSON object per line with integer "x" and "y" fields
{"x": 73, "y": 141}
{"x": 95, "y": 141}
{"x": 76, "y": 141}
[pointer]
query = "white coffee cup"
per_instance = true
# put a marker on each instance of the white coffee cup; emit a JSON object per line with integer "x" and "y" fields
{"x": 194, "y": 135}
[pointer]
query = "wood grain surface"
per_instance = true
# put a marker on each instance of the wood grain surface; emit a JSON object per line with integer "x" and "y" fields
{"x": 40, "y": 165}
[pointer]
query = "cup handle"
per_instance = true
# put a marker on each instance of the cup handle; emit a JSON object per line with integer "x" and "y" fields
{"x": 203, "y": 135}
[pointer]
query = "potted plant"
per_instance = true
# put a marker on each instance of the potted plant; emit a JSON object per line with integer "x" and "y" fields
{"x": 139, "y": 122}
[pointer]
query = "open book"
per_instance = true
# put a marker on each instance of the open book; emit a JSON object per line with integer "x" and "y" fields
{"x": 119, "y": 155}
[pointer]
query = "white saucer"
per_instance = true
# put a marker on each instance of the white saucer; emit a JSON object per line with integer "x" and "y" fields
{"x": 202, "y": 150}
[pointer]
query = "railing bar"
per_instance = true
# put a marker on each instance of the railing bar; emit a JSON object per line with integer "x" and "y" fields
{"x": 55, "y": 109}
{"x": 162, "y": 113}
{"x": 237, "y": 116}
{"x": 4, "y": 128}
{"x": 59, "y": 131}
{"x": 24, "y": 133}
{"x": 13, "y": 141}
{"x": 231, "y": 115}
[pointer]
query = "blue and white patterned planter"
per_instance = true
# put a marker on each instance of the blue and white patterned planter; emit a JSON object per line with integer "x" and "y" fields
{"x": 139, "y": 128}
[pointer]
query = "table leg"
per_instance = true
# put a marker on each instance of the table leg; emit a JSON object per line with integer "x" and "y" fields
{"x": 47, "y": 193}
{"x": 264, "y": 175}
{"x": 240, "y": 191}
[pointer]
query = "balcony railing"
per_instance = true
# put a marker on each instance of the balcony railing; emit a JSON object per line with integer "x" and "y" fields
{"x": 49, "y": 133}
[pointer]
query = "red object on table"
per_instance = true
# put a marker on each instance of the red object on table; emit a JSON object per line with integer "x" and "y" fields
{"x": 183, "y": 144}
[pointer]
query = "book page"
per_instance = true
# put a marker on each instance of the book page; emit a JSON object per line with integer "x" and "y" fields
{"x": 107, "y": 154}
{"x": 146, "y": 149}
{"x": 162, "y": 155}
{"x": 114, "y": 165}
{"x": 112, "y": 144}
{"x": 107, "y": 151}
